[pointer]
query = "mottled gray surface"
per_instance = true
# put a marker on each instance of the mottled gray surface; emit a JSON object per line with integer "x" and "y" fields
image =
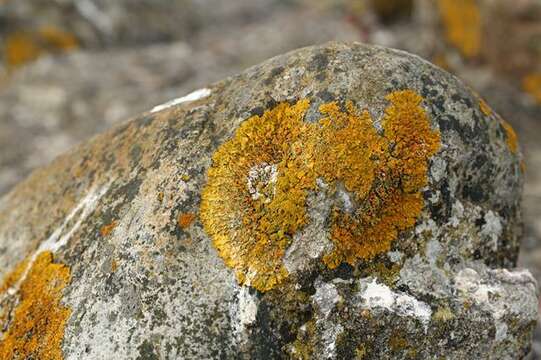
{"x": 447, "y": 287}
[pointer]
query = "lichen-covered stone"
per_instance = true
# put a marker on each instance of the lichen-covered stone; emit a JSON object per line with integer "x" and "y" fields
{"x": 339, "y": 201}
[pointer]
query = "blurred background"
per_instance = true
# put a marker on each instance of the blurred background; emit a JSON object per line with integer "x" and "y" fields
{"x": 72, "y": 68}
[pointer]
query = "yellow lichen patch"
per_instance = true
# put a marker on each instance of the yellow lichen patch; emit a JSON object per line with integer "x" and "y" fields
{"x": 252, "y": 230}
{"x": 185, "y": 220}
{"x": 255, "y": 198}
{"x": 511, "y": 136}
{"x": 532, "y": 85}
{"x": 36, "y": 327}
{"x": 443, "y": 314}
{"x": 114, "y": 265}
{"x": 462, "y": 22}
{"x": 440, "y": 60}
{"x": 23, "y": 47}
{"x": 57, "y": 38}
{"x": 9, "y": 282}
{"x": 11, "y": 279}
{"x": 360, "y": 352}
{"x": 302, "y": 348}
{"x": 107, "y": 229}
{"x": 396, "y": 166}
{"x": 397, "y": 342}
{"x": 485, "y": 109}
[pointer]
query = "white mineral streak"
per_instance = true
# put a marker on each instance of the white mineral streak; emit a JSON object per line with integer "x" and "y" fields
{"x": 85, "y": 207}
{"x": 193, "y": 96}
{"x": 376, "y": 295}
{"x": 61, "y": 236}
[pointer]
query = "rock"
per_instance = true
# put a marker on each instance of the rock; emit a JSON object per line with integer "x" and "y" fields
{"x": 338, "y": 201}
{"x": 31, "y": 28}
{"x": 54, "y": 103}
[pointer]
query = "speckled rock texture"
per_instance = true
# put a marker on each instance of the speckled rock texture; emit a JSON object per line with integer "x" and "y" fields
{"x": 371, "y": 210}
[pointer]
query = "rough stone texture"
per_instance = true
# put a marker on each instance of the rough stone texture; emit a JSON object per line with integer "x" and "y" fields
{"x": 147, "y": 282}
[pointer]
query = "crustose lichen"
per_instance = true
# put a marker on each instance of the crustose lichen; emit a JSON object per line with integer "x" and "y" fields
{"x": 255, "y": 198}
{"x": 34, "y": 327}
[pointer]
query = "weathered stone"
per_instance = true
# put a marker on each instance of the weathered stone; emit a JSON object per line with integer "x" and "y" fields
{"x": 337, "y": 201}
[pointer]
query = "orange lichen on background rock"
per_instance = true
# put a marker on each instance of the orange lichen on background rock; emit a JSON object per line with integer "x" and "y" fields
{"x": 185, "y": 220}
{"x": 56, "y": 38}
{"x": 21, "y": 48}
{"x": 35, "y": 326}
{"x": 462, "y": 23}
{"x": 532, "y": 85}
{"x": 255, "y": 198}
{"x": 26, "y": 46}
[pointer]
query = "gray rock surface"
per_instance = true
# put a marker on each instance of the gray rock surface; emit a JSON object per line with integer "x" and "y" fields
{"x": 113, "y": 240}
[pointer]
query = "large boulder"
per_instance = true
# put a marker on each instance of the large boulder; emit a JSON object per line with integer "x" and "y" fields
{"x": 338, "y": 201}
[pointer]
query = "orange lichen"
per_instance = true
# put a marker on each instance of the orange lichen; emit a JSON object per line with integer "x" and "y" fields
{"x": 9, "y": 282}
{"x": 57, "y": 39}
{"x": 485, "y": 109}
{"x": 394, "y": 168}
{"x": 23, "y": 47}
{"x": 440, "y": 59}
{"x": 114, "y": 265}
{"x": 185, "y": 220}
{"x": 462, "y": 22}
{"x": 12, "y": 278}
{"x": 36, "y": 326}
{"x": 532, "y": 85}
{"x": 255, "y": 198}
{"x": 107, "y": 229}
{"x": 511, "y": 136}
